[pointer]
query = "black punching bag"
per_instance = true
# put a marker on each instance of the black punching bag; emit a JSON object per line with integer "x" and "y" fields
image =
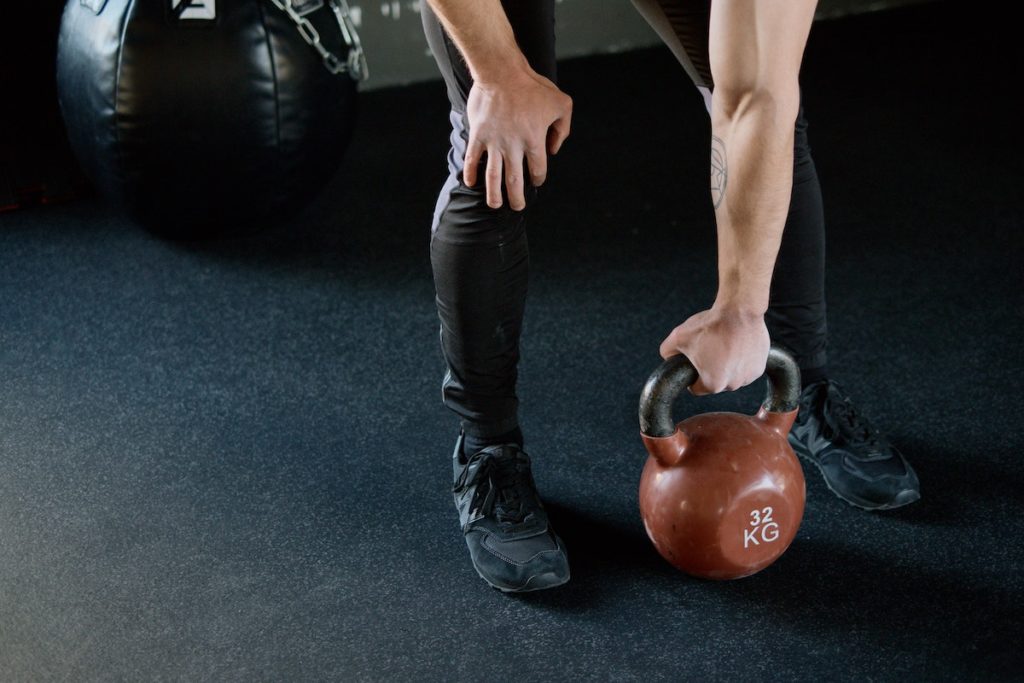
{"x": 205, "y": 117}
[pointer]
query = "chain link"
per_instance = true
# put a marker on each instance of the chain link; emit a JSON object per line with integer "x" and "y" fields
{"x": 355, "y": 65}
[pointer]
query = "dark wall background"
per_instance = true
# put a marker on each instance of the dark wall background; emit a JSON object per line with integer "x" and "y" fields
{"x": 398, "y": 53}
{"x": 35, "y": 162}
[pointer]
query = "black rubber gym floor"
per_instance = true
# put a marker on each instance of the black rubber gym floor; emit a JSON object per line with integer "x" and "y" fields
{"x": 229, "y": 462}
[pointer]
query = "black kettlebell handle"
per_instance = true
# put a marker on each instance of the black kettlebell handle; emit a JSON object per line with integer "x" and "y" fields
{"x": 677, "y": 373}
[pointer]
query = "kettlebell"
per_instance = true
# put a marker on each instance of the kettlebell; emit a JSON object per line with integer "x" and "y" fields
{"x": 722, "y": 494}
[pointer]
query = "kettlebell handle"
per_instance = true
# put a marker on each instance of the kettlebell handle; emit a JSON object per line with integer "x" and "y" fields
{"x": 677, "y": 373}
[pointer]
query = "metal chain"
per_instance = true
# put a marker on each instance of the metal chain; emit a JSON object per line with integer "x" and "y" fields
{"x": 355, "y": 65}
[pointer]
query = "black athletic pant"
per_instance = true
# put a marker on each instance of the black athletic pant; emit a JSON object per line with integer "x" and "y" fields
{"x": 480, "y": 256}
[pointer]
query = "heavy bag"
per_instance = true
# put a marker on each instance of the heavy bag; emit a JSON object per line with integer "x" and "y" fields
{"x": 208, "y": 116}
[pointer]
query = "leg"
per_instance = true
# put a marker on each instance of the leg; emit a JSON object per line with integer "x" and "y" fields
{"x": 479, "y": 255}
{"x": 480, "y": 261}
{"x": 796, "y": 314}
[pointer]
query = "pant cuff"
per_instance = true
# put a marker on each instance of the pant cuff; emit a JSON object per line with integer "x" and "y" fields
{"x": 814, "y": 361}
{"x": 485, "y": 430}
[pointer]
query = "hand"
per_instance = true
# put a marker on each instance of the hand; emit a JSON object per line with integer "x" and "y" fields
{"x": 729, "y": 348}
{"x": 523, "y": 116}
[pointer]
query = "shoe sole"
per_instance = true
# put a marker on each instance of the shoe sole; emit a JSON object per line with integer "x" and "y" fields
{"x": 536, "y": 582}
{"x": 905, "y": 497}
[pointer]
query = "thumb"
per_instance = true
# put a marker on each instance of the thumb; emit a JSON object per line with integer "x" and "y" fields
{"x": 698, "y": 388}
{"x": 668, "y": 349}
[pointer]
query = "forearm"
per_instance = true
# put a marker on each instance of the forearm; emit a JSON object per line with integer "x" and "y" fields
{"x": 752, "y": 175}
{"x": 483, "y": 35}
{"x": 755, "y": 52}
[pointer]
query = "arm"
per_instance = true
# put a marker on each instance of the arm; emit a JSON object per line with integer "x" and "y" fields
{"x": 514, "y": 113}
{"x": 755, "y": 47}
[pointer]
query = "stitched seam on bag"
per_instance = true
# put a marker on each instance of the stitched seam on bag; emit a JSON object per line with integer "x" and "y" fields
{"x": 273, "y": 73}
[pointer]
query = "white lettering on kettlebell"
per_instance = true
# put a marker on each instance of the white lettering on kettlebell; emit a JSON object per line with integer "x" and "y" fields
{"x": 763, "y": 527}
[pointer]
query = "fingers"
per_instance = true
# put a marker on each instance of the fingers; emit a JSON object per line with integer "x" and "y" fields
{"x": 508, "y": 131}
{"x": 514, "y": 181}
{"x": 708, "y": 382}
{"x": 493, "y": 179}
{"x": 713, "y": 385}
{"x": 501, "y": 168}
{"x": 471, "y": 164}
{"x": 559, "y": 130}
{"x": 537, "y": 163}
{"x": 730, "y": 380}
{"x": 698, "y": 388}
{"x": 710, "y": 385}
{"x": 515, "y": 130}
{"x": 557, "y": 133}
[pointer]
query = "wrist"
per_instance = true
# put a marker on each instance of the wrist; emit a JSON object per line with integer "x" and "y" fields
{"x": 735, "y": 305}
{"x": 509, "y": 70}
{"x": 742, "y": 297}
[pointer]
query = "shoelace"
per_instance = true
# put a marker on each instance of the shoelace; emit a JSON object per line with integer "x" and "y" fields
{"x": 502, "y": 485}
{"x": 843, "y": 419}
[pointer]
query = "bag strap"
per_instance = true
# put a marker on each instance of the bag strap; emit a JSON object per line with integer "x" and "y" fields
{"x": 355, "y": 64}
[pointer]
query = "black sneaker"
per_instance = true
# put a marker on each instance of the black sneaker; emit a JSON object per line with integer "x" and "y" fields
{"x": 858, "y": 463}
{"x": 510, "y": 540}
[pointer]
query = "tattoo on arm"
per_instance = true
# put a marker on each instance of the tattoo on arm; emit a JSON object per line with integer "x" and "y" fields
{"x": 719, "y": 171}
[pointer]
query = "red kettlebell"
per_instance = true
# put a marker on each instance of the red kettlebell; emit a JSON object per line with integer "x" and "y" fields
{"x": 722, "y": 494}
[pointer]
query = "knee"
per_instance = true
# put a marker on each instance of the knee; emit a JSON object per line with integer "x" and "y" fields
{"x": 776, "y": 104}
{"x": 463, "y": 218}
